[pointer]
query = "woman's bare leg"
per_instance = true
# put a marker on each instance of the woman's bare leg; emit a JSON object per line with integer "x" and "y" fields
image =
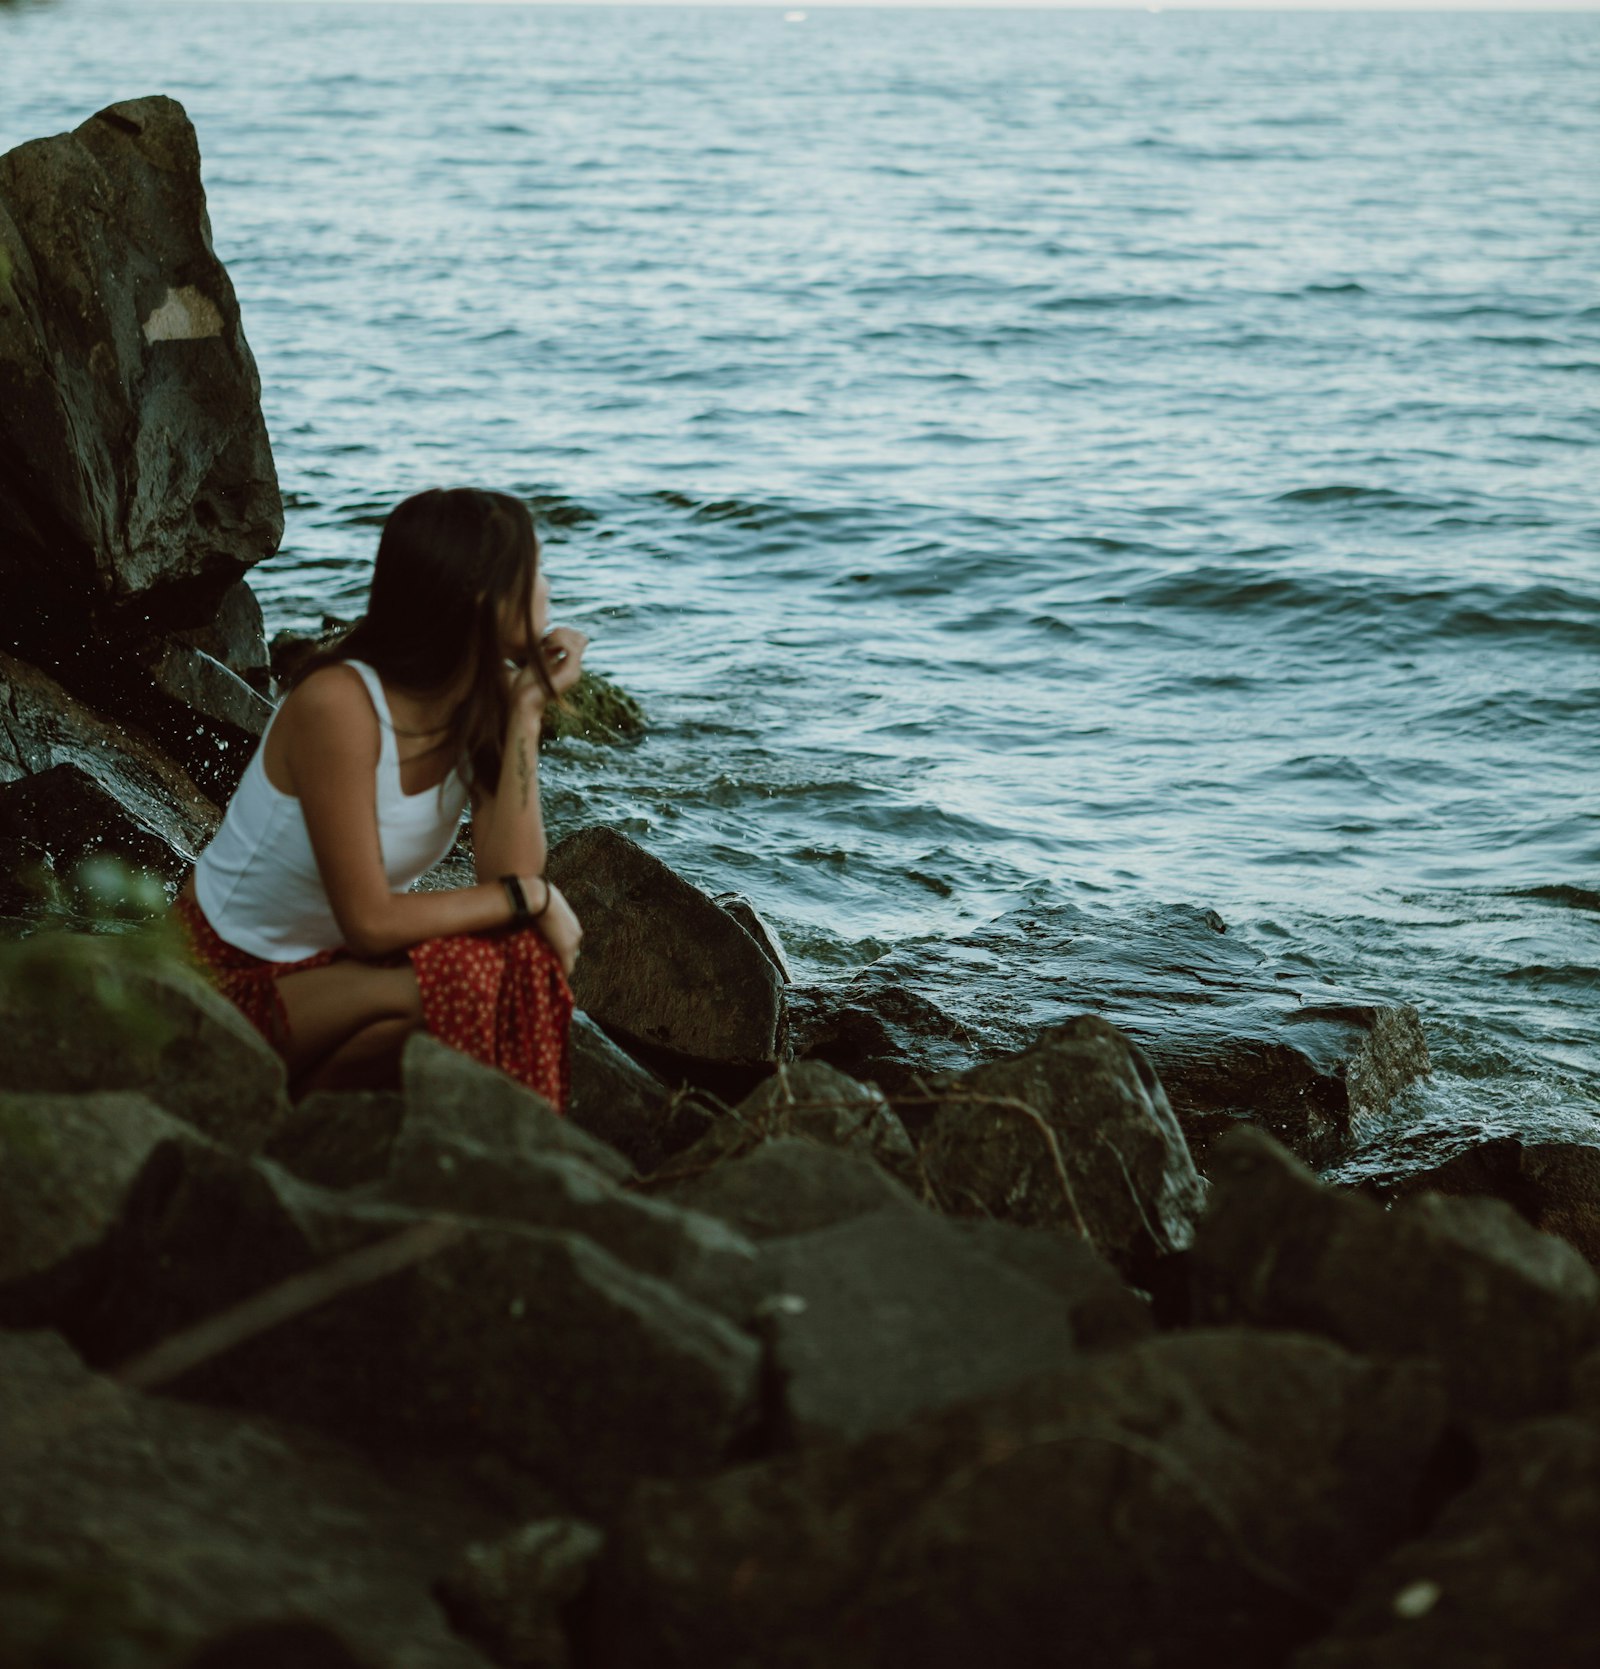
{"x": 368, "y": 1060}
{"x": 328, "y": 1008}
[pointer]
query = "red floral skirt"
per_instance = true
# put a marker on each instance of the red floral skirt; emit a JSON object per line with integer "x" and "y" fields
{"x": 500, "y": 997}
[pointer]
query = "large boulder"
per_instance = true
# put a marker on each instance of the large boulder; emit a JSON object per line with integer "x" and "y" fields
{"x": 1205, "y": 1497}
{"x": 513, "y": 1595}
{"x": 67, "y": 1163}
{"x": 1553, "y": 1185}
{"x": 83, "y": 1013}
{"x": 1232, "y": 1034}
{"x": 455, "y": 1094}
{"x": 787, "y": 1185}
{"x": 678, "y": 980}
{"x": 138, "y": 483}
{"x": 1503, "y": 1310}
{"x": 137, "y": 1531}
{"x": 697, "y": 1254}
{"x": 1076, "y": 1133}
{"x": 624, "y": 1104}
{"x": 80, "y": 785}
{"x": 1508, "y": 1574}
{"x": 236, "y": 635}
{"x": 898, "y": 1313}
{"x": 817, "y": 1103}
{"x": 533, "y": 1349}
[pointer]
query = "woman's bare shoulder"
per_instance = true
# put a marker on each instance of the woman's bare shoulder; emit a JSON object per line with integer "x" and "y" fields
{"x": 331, "y": 705}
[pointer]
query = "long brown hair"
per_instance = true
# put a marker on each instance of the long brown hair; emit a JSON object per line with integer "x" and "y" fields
{"x": 449, "y": 560}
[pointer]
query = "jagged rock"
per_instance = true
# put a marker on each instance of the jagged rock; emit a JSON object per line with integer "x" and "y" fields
{"x": 1504, "y": 1311}
{"x": 66, "y": 1165}
{"x": 105, "y": 788}
{"x": 142, "y": 485}
{"x": 621, "y": 1103}
{"x": 533, "y": 1346}
{"x": 455, "y": 1094}
{"x": 1508, "y": 1574}
{"x": 698, "y": 1255}
{"x": 236, "y": 635}
{"x": 511, "y": 1595}
{"x": 818, "y": 1103}
{"x": 141, "y": 1531}
{"x": 1232, "y": 1035}
{"x": 1074, "y": 1132}
{"x": 81, "y": 1013}
{"x": 663, "y": 968}
{"x": 788, "y": 1186}
{"x": 897, "y": 1313}
{"x": 1203, "y": 1497}
{"x": 1555, "y": 1186}
{"x": 207, "y": 717}
{"x": 1101, "y": 1307}
{"x": 339, "y": 1138}
{"x": 62, "y": 816}
{"x": 759, "y": 929}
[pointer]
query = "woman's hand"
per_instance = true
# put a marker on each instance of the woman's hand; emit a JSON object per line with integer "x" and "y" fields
{"x": 560, "y": 928}
{"x": 562, "y": 648}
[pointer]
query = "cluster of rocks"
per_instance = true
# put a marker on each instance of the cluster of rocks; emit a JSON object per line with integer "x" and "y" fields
{"x": 956, "y": 1311}
{"x": 436, "y": 1376}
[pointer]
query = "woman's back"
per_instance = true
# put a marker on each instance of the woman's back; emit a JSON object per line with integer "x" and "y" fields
{"x": 258, "y": 881}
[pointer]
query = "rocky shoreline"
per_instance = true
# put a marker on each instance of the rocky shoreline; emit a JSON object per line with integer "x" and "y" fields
{"x": 956, "y": 1311}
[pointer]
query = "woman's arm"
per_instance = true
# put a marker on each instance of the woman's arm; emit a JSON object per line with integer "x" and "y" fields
{"x": 332, "y": 752}
{"x": 508, "y": 825}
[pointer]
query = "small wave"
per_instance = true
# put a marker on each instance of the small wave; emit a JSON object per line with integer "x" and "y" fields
{"x": 1539, "y": 974}
{"x": 1350, "y": 288}
{"x": 1375, "y": 498}
{"x": 1575, "y": 898}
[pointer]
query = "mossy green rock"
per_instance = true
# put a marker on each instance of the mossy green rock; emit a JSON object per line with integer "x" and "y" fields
{"x": 594, "y": 710}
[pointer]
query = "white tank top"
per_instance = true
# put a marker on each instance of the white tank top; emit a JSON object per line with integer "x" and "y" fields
{"x": 258, "y": 883}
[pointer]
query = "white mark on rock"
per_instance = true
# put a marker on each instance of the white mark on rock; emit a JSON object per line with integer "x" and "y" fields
{"x": 1417, "y": 1599}
{"x": 185, "y": 316}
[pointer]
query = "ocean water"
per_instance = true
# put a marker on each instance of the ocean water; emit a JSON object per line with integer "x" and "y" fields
{"x": 1011, "y": 455}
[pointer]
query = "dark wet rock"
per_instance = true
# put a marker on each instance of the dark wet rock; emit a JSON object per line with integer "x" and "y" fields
{"x": 1073, "y": 1133}
{"x": 533, "y": 1347}
{"x": 1555, "y": 1186}
{"x": 80, "y": 1013}
{"x": 207, "y": 717}
{"x": 236, "y": 636}
{"x": 788, "y": 1186}
{"x": 759, "y": 929}
{"x": 1231, "y": 1034}
{"x": 624, "y": 1104}
{"x": 67, "y": 1163}
{"x": 698, "y": 1255}
{"x": 513, "y": 1595}
{"x": 1507, "y": 1575}
{"x": 52, "y": 822}
{"x": 1504, "y": 1311}
{"x": 897, "y": 1313}
{"x": 104, "y": 787}
{"x": 1198, "y": 1498}
{"x": 456, "y": 1095}
{"x": 140, "y": 485}
{"x": 1102, "y": 1308}
{"x": 817, "y": 1103}
{"x": 673, "y": 977}
{"x": 339, "y": 1138}
{"x": 139, "y": 1526}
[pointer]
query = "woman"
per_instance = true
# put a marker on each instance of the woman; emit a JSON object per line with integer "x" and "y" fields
{"x": 300, "y": 910}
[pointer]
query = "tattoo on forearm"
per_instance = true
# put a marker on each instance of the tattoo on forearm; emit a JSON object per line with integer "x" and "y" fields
{"x": 524, "y": 769}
